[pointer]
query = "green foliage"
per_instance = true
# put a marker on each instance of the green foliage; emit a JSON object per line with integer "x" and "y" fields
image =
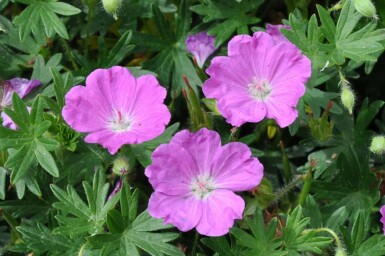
{"x": 81, "y": 218}
{"x": 294, "y": 240}
{"x": 228, "y": 17}
{"x": 40, "y": 14}
{"x": 131, "y": 233}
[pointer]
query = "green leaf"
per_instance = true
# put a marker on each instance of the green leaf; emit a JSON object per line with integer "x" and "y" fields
{"x": 46, "y": 160}
{"x": 374, "y": 246}
{"x": 3, "y": 175}
{"x": 39, "y": 12}
{"x": 367, "y": 113}
{"x": 91, "y": 217}
{"x": 59, "y": 86}
{"x": 37, "y": 111}
{"x": 63, "y": 8}
{"x": 21, "y": 161}
{"x": 328, "y": 27}
{"x": 262, "y": 241}
{"x": 219, "y": 245}
{"x": 40, "y": 239}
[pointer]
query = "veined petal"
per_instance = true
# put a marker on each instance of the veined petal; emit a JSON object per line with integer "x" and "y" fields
{"x": 182, "y": 212}
{"x": 235, "y": 169}
{"x": 220, "y": 210}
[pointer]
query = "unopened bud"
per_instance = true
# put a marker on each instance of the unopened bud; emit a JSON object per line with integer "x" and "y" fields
{"x": 120, "y": 166}
{"x": 378, "y": 145}
{"x": 340, "y": 252}
{"x": 348, "y": 98}
{"x": 112, "y": 7}
{"x": 366, "y": 8}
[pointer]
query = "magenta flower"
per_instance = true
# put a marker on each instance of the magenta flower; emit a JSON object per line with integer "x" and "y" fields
{"x": 382, "y": 211}
{"x": 117, "y": 109}
{"x": 275, "y": 32}
{"x": 21, "y": 86}
{"x": 260, "y": 78}
{"x": 201, "y": 46}
{"x": 195, "y": 178}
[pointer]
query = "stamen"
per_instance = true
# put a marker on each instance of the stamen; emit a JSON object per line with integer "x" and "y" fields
{"x": 119, "y": 122}
{"x": 202, "y": 186}
{"x": 259, "y": 89}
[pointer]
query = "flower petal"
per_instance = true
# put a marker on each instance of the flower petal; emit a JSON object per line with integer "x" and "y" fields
{"x": 201, "y": 145}
{"x": 81, "y": 113}
{"x": 182, "y": 212}
{"x": 220, "y": 210}
{"x": 281, "y": 112}
{"x": 235, "y": 169}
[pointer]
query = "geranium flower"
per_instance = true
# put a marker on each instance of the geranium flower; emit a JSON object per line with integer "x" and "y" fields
{"x": 382, "y": 211}
{"x": 275, "y": 32}
{"x": 21, "y": 86}
{"x": 117, "y": 109}
{"x": 260, "y": 78}
{"x": 201, "y": 46}
{"x": 195, "y": 178}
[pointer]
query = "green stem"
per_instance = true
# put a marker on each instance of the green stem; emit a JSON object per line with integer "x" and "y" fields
{"x": 338, "y": 241}
{"x": 194, "y": 248}
{"x": 286, "y": 189}
{"x": 308, "y": 178}
{"x": 81, "y": 251}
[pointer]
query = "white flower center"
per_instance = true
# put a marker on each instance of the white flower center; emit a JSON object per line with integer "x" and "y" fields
{"x": 259, "y": 89}
{"x": 119, "y": 122}
{"x": 202, "y": 186}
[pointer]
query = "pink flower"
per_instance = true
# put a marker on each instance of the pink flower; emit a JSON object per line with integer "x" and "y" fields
{"x": 382, "y": 211}
{"x": 117, "y": 109}
{"x": 201, "y": 46}
{"x": 21, "y": 86}
{"x": 195, "y": 178}
{"x": 260, "y": 78}
{"x": 275, "y": 32}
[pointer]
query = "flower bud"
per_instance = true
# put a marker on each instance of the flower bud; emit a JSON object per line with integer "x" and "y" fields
{"x": 366, "y": 8}
{"x": 378, "y": 145}
{"x": 347, "y": 98}
{"x": 112, "y": 7}
{"x": 120, "y": 166}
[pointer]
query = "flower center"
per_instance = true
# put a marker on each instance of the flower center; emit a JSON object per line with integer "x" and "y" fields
{"x": 201, "y": 186}
{"x": 259, "y": 89}
{"x": 119, "y": 122}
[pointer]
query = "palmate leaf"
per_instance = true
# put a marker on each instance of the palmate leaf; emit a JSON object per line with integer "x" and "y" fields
{"x": 41, "y": 13}
{"x": 40, "y": 239}
{"x": 293, "y": 241}
{"x": 130, "y": 234}
{"x": 262, "y": 241}
{"x": 294, "y": 238}
{"x": 79, "y": 217}
{"x": 231, "y": 16}
{"x": 172, "y": 60}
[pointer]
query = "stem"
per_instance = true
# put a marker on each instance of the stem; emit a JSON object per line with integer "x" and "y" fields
{"x": 306, "y": 186}
{"x": 338, "y": 241}
{"x": 194, "y": 248}
{"x": 81, "y": 251}
{"x": 286, "y": 189}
